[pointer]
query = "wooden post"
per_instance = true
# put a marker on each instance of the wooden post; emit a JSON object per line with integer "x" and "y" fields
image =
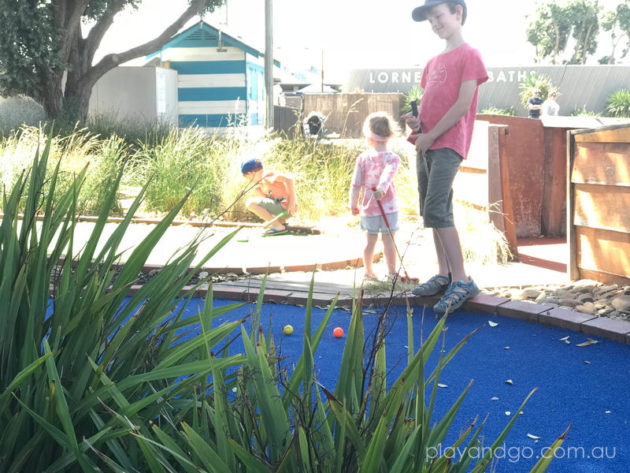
{"x": 500, "y": 207}
{"x": 572, "y": 267}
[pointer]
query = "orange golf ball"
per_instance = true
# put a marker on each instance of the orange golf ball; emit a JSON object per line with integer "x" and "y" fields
{"x": 338, "y": 332}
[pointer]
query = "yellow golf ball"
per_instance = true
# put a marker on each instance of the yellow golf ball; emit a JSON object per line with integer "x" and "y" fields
{"x": 288, "y": 329}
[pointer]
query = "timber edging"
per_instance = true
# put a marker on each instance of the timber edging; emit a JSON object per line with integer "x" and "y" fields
{"x": 545, "y": 314}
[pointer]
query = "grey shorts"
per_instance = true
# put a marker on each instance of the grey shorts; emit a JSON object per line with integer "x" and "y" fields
{"x": 436, "y": 173}
{"x": 273, "y": 206}
{"x": 374, "y": 225}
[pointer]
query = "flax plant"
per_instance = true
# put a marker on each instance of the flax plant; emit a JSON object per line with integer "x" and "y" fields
{"x": 86, "y": 365}
{"x": 273, "y": 419}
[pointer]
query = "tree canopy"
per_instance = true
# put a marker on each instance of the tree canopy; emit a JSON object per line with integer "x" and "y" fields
{"x": 617, "y": 23}
{"x": 44, "y": 54}
{"x": 554, "y": 23}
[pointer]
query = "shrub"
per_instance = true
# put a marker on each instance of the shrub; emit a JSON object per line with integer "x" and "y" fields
{"x": 415, "y": 93}
{"x": 582, "y": 112}
{"x": 533, "y": 82}
{"x": 16, "y": 112}
{"x": 510, "y": 111}
{"x": 618, "y": 104}
{"x": 135, "y": 133}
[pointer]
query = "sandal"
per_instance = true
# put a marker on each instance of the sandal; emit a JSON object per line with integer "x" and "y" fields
{"x": 274, "y": 232}
{"x": 432, "y": 287}
{"x": 457, "y": 293}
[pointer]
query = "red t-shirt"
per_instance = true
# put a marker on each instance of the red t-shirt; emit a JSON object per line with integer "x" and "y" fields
{"x": 441, "y": 80}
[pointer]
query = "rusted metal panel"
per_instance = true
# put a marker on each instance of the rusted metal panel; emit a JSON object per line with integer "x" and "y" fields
{"x": 499, "y": 191}
{"x": 554, "y": 191}
{"x": 482, "y": 182}
{"x": 525, "y": 151}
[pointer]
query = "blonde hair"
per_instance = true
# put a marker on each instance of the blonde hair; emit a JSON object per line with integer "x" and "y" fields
{"x": 380, "y": 124}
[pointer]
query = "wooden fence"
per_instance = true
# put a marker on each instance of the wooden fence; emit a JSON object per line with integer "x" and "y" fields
{"x": 598, "y": 214}
{"x": 345, "y": 113}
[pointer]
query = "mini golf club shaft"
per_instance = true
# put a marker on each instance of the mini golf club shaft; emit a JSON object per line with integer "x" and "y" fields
{"x": 380, "y": 207}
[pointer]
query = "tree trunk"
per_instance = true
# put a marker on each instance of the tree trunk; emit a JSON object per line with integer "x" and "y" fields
{"x": 51, "y": 93}
{"x": 83, "y": 74}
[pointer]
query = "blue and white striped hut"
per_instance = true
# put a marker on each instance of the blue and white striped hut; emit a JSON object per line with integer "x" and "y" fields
{"x": 220, "y": 79}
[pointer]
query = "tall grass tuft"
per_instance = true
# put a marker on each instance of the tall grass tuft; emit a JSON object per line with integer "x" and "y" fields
{"x": 72, "y": 153}
{"x": 188, "y": 160}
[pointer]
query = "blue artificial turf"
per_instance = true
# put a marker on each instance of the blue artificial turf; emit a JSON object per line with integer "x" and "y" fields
{"x": 585, "y": 387}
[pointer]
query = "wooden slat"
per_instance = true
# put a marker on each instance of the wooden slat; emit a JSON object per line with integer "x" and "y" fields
{"x": 618, "y": 135}
{"x": 602, "y": 163}
{"x": 601, "y": 250}
{"x": 604, "y": 278}
{"x": 605, "y": 207}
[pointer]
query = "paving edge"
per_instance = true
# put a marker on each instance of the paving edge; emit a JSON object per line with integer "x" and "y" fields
{"x": 545, "y": 314}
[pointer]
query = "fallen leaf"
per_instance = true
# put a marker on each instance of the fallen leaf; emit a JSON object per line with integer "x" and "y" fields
{"x": 564, "y": 339}
{"x": 509, "y": 381}
{"x": 533, "y": 437}
{"x": 442, "y": 385}
{"x": 492, "y": 324}
{"x": 588, "y": 342}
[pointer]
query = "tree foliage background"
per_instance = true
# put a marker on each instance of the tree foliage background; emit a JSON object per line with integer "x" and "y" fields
{"x": 45, "y": 54}
{"x": 576, "y": 24}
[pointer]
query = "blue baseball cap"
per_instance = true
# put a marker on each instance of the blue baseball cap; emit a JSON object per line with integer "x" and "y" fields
{"x": 420, "y": 13}
{"x": 251, "y": 165}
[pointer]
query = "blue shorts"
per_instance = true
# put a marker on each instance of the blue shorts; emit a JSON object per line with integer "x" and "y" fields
{"x": 436, "y": 173}
{"x": 374, "y": 225}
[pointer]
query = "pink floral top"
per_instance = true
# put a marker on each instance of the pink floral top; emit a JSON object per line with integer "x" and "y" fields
{"x": 374, "y": 170}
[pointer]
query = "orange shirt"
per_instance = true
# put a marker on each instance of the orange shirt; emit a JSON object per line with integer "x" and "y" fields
{"x": 272, "y": 188}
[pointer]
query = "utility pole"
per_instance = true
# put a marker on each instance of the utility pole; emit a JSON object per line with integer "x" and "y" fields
{"x": 269, "y": 63}
{"x": 322, "y": 70}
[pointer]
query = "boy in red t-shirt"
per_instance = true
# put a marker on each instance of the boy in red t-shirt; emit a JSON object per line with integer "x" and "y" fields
{"x": 442, "y": 135}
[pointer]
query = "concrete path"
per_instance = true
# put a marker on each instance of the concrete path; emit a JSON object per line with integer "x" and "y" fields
{"x": 290, "y": 259}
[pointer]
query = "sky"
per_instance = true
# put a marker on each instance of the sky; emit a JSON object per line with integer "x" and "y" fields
{"x": 347, "y": 34}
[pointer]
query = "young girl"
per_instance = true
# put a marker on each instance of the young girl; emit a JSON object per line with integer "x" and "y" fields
{"x": 373, "y": 179}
